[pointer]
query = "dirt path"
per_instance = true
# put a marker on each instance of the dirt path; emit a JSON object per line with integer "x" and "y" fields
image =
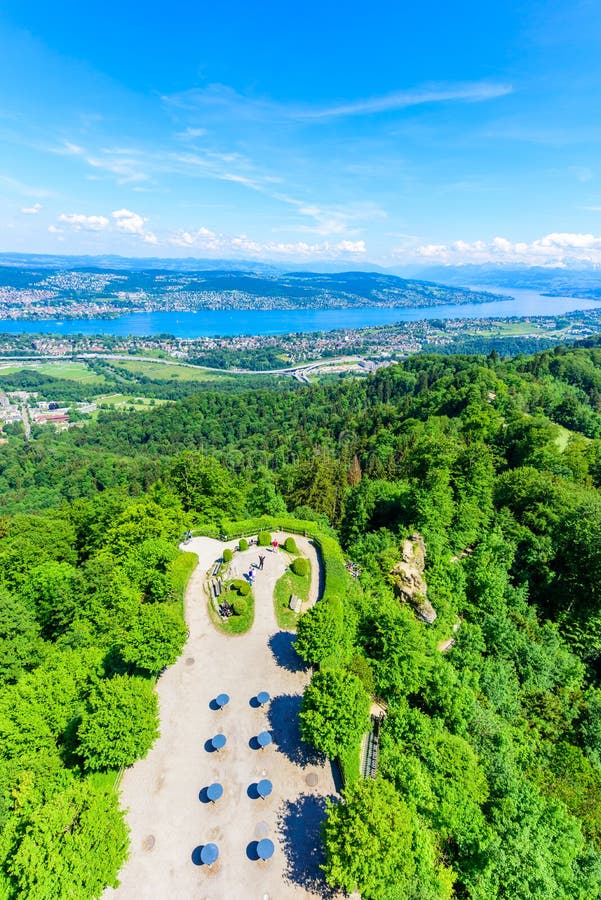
{"x": 164, "y": 793}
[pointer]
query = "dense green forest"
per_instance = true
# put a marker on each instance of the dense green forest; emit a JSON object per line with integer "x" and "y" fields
{"x": 489, "y": 783}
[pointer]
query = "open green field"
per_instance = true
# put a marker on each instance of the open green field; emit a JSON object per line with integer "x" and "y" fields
{"x": 74, "y": 371}
{"x": 168, "y": 371}
{"x": 71, "y": 370}
{"x": 513, "y": 329}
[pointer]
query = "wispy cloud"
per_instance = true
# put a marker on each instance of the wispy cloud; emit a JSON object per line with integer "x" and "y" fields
{"x": 331, "y": 220}
{"x": 31, "y": 210}
{"x": 24, "y": 190}
{"x": 581, "y": 173}
{"x": 547, "y": 135}
{"x": 191, "y": 134}
{"x": 67, "y": 148}
{"x": 474, "y": 92}
{"x": 217, "y": 97}
{"x": 127, "y": 169}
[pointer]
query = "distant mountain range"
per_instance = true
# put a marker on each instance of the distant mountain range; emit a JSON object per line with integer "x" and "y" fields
{"x": 556, "y": 281}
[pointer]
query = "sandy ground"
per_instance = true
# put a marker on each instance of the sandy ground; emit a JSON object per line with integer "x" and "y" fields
{"x": 164, "y": 794}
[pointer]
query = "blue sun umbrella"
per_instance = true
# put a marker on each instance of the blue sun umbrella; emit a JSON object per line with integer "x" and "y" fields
{"x": 214, "y": 791}
{"x": 263, "y": 697}
{"x": 264, "y": 739}
{"x": 264, "y": 788}
{"x": 209, "y": 854}
{"x": 218, "y": 741}
{"x": 265, "y": 849}
{"x": 222, "y": 700}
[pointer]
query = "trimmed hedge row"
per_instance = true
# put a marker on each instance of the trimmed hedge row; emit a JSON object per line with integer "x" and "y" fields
{"x": 337, "y": 579}
{"x": 323, "y": 638}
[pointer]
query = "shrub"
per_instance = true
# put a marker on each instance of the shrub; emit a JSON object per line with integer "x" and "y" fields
{"x": 243, "y": 544}
{"x": 241, "y": 587}
{"x": 290, "y": 545}
{"x": 240, "y": 605}
{"x": 228, "y": 555}
{"x": 264, "y": 539}
{"x": 300, "y": 566}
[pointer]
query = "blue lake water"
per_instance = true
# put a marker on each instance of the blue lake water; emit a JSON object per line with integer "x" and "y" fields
{"x": 227, "y": 323}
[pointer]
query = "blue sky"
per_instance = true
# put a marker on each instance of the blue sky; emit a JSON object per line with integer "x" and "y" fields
{"x": 384, "y": 132}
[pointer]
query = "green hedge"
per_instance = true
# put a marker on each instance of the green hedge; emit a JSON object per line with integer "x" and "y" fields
{"x": 229, "y": 530}
{"x": 228, "y": 554}
{"x": 264, "y": 539}
{"x": 179, "y": 572}
{"x": 338, "y": 584}
{"x": 290, "y": 545}
{"x": 243, "y": 544}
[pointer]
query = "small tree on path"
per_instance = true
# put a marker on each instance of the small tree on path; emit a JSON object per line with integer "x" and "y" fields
{"x": 334, "y": 712}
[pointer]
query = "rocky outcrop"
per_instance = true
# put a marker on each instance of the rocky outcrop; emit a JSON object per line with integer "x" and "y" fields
{"x": 408, "y": 578}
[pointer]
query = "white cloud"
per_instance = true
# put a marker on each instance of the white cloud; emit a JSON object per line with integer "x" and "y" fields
{"x": 132, "y": 223}
{"x": 206, "y": 241}
{"x": 202, "y": 238}
{"x": 126, "y": 220}
{"x": 351, "y": 246}
{"x": 54, "y": 229}
{"x": 84, "y": 223}
{"x": 555, "y": 249}
{"x": 122, "y": 220}
{"x": 31, "y": 210}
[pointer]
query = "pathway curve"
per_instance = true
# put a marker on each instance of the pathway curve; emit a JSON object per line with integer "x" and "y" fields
{"x": 163, "y": 793}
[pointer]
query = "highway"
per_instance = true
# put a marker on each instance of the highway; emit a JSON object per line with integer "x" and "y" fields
{"x": 299, "y": 371}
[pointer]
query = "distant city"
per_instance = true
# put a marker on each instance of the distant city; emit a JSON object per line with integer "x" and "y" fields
{"x": 36, "y": 293}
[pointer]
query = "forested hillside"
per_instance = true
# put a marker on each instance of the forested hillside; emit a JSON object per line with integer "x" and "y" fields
{"x": 490, "y": 769}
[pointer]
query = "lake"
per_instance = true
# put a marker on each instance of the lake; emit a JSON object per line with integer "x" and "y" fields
{"x": 228, "y": 323}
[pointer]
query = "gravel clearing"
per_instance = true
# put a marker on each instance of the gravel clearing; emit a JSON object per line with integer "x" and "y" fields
{"x": 168, "y": 812}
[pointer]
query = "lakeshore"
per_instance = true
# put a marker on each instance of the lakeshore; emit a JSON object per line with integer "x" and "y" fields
{"x": 230, "y": 323}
